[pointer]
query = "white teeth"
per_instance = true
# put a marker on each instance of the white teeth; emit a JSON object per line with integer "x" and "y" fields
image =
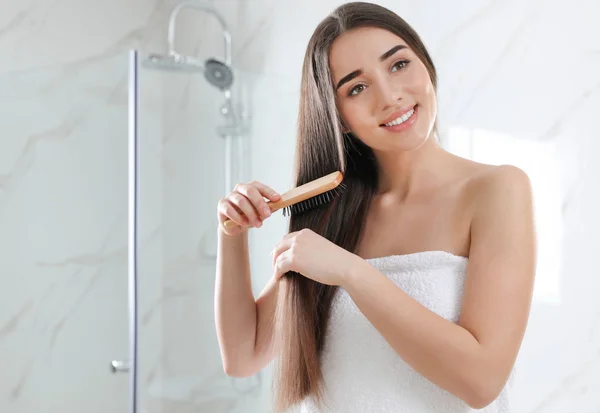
{"x": 402, "y": 118}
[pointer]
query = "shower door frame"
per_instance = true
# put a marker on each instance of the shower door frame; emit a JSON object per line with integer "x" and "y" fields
{"x": 132, "y": 227}
{"x": 131, "y": 365}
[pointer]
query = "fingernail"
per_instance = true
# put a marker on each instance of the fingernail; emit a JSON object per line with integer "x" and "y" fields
{"x": 267, "y": 211}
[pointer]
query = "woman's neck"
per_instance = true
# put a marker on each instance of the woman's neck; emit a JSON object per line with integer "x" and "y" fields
{"x": 403, "y": 174}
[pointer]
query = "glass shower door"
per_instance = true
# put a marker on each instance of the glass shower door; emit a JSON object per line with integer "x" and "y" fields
{"x": 188, "y": 151}
{"x": 63, "y": 266}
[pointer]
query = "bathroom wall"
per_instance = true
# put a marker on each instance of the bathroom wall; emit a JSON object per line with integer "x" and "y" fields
{"x": 63, "y": 214}
{"x": 517, "y": 84}
{"x": 63, "y": 203}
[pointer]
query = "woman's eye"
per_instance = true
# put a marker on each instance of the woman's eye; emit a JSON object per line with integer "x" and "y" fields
{"x": 356, "y": 89}
{"x": 400, "y": 65}
{"x": 397, "y": 66}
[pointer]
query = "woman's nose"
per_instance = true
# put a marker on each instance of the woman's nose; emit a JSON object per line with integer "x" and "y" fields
{"x": 388, "y": 93}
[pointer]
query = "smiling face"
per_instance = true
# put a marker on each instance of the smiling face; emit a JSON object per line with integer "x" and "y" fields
{"x": 383, "y": 90}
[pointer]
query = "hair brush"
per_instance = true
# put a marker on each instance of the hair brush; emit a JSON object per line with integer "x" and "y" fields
{"x": 307, "y": 196}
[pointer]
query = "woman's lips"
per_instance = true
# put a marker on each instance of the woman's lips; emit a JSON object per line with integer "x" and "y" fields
{"x": 406, "y": 124}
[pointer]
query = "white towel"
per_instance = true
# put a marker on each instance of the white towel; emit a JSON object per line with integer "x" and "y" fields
{"x": 363, "y": 374}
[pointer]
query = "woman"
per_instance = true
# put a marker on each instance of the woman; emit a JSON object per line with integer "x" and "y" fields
{"x": 411, "y": 291}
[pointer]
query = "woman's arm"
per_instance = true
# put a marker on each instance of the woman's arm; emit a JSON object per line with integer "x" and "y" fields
{"x": 473, "y": 358}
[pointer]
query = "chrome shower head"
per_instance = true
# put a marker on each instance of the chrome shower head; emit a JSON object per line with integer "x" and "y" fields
{"x": 217, "y": 73}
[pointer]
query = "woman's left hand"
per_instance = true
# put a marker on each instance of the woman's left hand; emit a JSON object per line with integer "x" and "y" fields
{"x": 313, "y": 256}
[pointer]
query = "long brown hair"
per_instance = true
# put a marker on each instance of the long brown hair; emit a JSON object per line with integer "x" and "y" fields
{"x": 303, "y": 305}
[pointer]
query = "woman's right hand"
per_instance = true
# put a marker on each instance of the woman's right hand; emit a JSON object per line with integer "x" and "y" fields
{"x": 246, "y": 206}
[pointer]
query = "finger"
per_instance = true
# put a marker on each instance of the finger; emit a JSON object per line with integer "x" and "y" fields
{"x": 266, "y": 191}
{"x": 282, "y": 265}
{"x": 256, "y": 198}
{"x": 289, "y": 236}
{"x": 228, "y": 211}
{"x": 280, "y": 248}
{"x": 276, "y": 274}
{"x": 285, "y": 244}
{"x": 244, "y": 205}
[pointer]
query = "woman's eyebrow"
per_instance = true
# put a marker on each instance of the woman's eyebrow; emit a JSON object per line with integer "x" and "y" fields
{"x": 359, "y": 72}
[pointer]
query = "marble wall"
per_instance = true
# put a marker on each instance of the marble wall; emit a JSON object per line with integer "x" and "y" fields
{"x": 518, "y": 84}
{"x": 63, "y": 203}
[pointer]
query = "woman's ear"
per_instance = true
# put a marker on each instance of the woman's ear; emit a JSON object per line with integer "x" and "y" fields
{"x": 345, "y": 128}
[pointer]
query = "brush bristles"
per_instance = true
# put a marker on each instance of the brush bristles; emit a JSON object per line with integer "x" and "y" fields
{"x": 314, "y": 202}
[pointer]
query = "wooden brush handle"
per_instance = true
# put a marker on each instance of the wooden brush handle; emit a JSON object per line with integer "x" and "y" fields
{"x": 301, "y": 193}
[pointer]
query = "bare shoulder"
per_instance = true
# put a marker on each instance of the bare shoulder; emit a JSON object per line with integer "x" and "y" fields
{"x": 498, "y": 184}
{"x": 481, "y": 184}
{"x": 503, "y": 174}
{"x": 502, "y": 222}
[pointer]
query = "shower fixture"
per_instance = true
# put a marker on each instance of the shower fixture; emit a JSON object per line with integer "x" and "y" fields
{"x": 218, "y": 73}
